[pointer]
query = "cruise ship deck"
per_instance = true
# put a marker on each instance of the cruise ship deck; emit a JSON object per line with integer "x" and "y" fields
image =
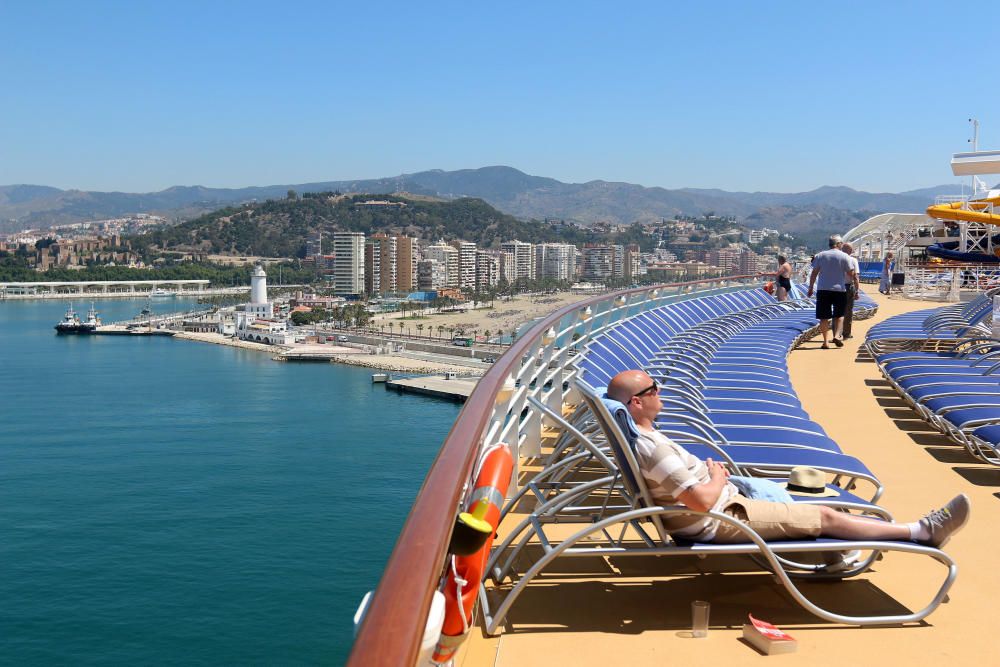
{"x": 636, "y": 611}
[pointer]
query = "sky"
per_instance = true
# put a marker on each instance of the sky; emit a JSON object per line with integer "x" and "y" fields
{"x": 771, "y": 96}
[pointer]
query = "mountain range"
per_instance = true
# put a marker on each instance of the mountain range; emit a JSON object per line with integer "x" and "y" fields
{"x": 508, "y": 189}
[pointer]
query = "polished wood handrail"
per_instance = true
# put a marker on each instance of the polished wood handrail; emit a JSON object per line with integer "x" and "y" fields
{"x": 393, "y": 628}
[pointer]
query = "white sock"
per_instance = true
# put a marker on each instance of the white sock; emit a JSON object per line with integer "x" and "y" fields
{"x": 918, "y": 531}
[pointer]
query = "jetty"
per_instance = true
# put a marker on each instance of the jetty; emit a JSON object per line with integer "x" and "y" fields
{"x": 447, "y": 386}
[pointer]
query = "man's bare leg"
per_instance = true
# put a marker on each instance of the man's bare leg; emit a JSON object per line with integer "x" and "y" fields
{"x": 838, "y": 327}
{"x": 824, "y": 330}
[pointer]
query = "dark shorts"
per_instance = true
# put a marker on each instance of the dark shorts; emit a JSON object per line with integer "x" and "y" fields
{"x": 830, "y": 304}
{"x": 785, "y": 284}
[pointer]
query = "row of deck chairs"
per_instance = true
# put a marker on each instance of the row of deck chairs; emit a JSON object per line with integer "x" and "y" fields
{"x": 720, "y": 360}
{"x": 946, "y": 366}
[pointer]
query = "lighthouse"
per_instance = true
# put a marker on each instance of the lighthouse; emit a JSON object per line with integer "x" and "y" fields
{"x": 258, "y": 286}
{"x": 256, "y": 321}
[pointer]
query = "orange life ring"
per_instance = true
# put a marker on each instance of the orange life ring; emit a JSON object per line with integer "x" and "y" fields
{"x": 466, "y": 572}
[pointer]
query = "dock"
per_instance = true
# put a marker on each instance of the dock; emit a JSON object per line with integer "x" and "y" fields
{"x": 452, "y": 388}
{"x": 119, "y": 330}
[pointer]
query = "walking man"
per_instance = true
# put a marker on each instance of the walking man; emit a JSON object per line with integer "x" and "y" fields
{"x": 833, "y": 268}
{"x": 853, "y": 289}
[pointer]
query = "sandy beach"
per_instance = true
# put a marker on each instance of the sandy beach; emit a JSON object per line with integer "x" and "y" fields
{"x": 505, "y": 316}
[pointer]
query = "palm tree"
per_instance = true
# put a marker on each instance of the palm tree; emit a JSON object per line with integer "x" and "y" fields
{"x": 440, "y": 330}
{"x": 420, "y": 329}
{"x": 401, "y": 325}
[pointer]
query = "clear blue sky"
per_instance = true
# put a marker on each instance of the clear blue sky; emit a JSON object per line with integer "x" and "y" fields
{"x": 778, "y": 96}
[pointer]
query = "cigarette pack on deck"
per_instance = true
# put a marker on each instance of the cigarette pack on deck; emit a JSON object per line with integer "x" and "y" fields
{"x": 768, "y": 639}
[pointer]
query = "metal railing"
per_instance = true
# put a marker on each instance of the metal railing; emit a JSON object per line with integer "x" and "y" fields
{"x": 507, "y": 406}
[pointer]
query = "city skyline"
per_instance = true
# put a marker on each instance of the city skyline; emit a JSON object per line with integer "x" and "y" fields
{"x": 780, "y": 98}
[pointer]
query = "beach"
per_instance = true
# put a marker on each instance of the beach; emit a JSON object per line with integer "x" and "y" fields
{"x": 506, "y": 315}
{"x": 504, "y": 318}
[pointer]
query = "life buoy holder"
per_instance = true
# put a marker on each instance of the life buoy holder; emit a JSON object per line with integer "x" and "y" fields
{"x": 466, "y": 571}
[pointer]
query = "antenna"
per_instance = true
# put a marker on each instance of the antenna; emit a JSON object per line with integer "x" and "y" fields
{"x": 975, "y": 147}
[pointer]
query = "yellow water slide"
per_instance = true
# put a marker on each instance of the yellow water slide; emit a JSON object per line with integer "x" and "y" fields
{"x": 973, "y": 211}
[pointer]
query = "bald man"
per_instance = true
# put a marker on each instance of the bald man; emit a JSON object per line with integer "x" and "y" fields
{"x": 675, "y": 477}
{"x": 853, "y": 283}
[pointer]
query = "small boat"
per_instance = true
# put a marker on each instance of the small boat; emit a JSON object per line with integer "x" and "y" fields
{"x": 160, "y": 292}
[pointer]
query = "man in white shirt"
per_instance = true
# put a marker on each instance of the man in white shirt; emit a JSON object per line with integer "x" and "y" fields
{"x": 675, "y": 477}
{"x": 833, "y": 269}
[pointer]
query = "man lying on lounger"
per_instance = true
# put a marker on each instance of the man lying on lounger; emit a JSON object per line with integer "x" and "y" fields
{"x": 676, "y": 477}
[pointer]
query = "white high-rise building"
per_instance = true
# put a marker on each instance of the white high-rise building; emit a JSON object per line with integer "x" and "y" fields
{"x": 487, "y": 269}
{"x": 555, "y": 260}
{"x": 466, "y": 264}
{"x": 524, "y": 259}
{"x": 447, "y": 256}
{"x": 348, "y": 263}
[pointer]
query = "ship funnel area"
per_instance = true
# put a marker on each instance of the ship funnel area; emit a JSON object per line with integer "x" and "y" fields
{"x": 258, "y": 286}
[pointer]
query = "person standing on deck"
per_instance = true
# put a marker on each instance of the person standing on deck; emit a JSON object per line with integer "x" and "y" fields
{"x": 674, "y": 476}
{"x": 853, "y": 289}
{"x": 887, "y": 266}
{"x": 833, "y": 268}
{"x": 783, "y": 278}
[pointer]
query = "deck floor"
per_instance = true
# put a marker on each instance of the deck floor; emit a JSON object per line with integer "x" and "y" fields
{"x": 639, "y": 616}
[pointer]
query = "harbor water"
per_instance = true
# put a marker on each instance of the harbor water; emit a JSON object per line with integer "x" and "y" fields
{"x": 173, "y": 502}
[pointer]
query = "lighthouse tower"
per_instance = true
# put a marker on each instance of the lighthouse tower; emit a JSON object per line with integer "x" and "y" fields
{"x": 258, "y": 286}
{"x": 256, "y": 321}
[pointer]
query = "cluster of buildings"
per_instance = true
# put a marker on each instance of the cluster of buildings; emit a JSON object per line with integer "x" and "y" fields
{"x": 43, "y": 254}
{"x": 386, "y": 264}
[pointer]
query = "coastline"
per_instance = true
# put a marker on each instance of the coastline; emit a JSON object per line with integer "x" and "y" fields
{"x": 384, "y": 362}
{"x": 506, "y": 315}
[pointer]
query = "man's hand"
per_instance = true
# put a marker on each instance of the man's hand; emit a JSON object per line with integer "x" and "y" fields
{"x": 715, "y": 470}
{"x": 810, "y": 291}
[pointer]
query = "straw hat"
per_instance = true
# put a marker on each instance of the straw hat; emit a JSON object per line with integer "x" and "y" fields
{"x": 806, "y": 481}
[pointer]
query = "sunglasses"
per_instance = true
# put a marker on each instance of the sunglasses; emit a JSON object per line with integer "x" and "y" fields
{"x": 648, "y": 390}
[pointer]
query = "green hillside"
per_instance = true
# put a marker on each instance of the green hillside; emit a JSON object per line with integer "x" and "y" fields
{"x": 280, "y": 228}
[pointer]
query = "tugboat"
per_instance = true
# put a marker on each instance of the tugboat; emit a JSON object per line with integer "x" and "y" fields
{"x": 71, "y": 323}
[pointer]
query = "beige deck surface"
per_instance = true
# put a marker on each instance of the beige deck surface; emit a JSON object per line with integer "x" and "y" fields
{"x": 640, "y": 616}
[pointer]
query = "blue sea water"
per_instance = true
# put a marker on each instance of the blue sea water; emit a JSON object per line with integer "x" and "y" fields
{"x": 173, "y": 502}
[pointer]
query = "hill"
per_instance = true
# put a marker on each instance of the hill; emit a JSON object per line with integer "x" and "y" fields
{"x": 280, "y": 228}
{"x": 507, "y": 189}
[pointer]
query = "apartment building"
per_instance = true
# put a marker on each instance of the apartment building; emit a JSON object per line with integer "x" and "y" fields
{"x": 488, "y": 269}
{"x": 603, "y": 262}
{"x": 348, "y": 263}
{"x": 522, "y": 258}
{"x": 407, "y": 256}
{"x": 466, "y": 264}
{"x": 555, "y": 260}
{"x": 381, "y": 264}
{"x": 432, "y": 275}
{"x": 447, "y": 256}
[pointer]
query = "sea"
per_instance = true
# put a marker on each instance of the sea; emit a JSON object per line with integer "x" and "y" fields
{"x": 172, "y": 502}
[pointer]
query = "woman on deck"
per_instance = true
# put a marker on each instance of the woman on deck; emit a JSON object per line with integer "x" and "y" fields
{"x": 887, "y": 266}
{"x": 784, "y": 278}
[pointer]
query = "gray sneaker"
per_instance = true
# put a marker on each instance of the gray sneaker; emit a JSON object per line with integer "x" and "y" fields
{"x": 947, "y": 521}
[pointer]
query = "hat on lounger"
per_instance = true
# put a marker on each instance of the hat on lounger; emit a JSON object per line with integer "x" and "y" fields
{"x": 806, "y": 481}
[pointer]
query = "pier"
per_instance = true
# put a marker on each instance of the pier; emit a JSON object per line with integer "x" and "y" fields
{"x": 100, "y": 289}
{"x": 447, "y": 386}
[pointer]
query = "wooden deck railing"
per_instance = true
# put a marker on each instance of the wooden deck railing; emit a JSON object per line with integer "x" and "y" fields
{"x": 393, "y": 627}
